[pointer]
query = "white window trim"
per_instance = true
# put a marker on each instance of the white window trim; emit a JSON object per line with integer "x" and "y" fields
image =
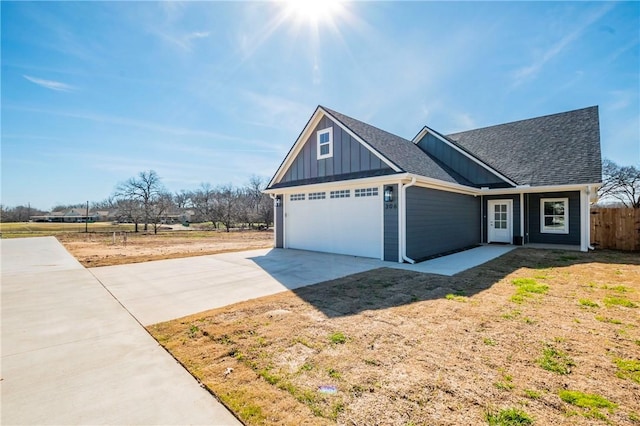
{"x": 329, "y": 131}
{"x": 543, "y": 229}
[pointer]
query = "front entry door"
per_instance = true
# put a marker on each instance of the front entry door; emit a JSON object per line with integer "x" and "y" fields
{"x": 499, "y": 220}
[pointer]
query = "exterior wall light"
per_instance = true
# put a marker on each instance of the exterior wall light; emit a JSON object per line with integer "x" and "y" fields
{"x": 278, "y": 201}
{"x": 388, "y": 194}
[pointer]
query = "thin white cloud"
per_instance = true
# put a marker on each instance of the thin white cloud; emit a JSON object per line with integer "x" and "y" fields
{"x": 147, "y": 125}
{"x": 276, "y": 112}
{"x": 197, "y": 34}
{"x": 530, "y": 71}
{"x": 50, "y": 84}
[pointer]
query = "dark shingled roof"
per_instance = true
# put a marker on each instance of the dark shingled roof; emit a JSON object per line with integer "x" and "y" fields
{"x": 557, "y": 149}
{"x": 403, "y": 153}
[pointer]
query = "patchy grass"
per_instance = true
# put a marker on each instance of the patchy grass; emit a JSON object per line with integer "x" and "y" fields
{"x": 628, "y": 369}
{"x": 588, "y": 303}
{"x": 509, "y": 417}
{"x": 386, "y": 346}
{"x": 338, "y": 338}
{"x": 590, "y": 403}
{"x": 456, "y": 297}
{"x": 607, "y": 319}
{"x": 527, "y": 287}
{"x": 619, "y": 301}
{"x": 555, "y": 360}
{"x": 533, "y": 394}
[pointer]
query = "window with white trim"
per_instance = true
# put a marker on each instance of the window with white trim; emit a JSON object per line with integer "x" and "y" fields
{"x": 296, "y": 197}
{"x": 325, "y": 143}
{"x": 554, "y": 215}
{"x": 365, "y": 192}
{"x": 342, "y": 193}
{"x": 317, "y": 195}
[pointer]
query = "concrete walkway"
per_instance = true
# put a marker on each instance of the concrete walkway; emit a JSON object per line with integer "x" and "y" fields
{"x": 167, "y": 289}
{"x": 71, "y": 354}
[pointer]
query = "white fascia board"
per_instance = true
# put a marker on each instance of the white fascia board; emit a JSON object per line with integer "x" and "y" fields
{"x": 420, "y": 135}
{"x": 360, "y": 140}
{"x": 297, "y": 146}
{"x": 490, "y": 169}
{"x": 326, "y": 186}
{"x": 446, "y": 186}
{"x": 534, "y": 189}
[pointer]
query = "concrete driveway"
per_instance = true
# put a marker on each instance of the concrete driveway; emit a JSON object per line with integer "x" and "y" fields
{"x": 167, "y": 289}
{"x": 72, "y": 355}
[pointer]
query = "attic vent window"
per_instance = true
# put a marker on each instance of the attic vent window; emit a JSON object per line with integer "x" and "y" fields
{"x": 325, "y": 143}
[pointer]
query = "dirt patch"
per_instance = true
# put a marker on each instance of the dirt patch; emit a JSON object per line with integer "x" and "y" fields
{"x": 103, "y": 249}
{"x": 395, "y": 347}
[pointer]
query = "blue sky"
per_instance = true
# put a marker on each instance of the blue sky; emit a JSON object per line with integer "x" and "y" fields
{"x": 95, "y": 92}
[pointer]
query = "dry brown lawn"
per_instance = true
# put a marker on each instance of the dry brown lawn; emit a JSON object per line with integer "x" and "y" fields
{"x": 99, "y": 249}
{"x": 392, "y": 347}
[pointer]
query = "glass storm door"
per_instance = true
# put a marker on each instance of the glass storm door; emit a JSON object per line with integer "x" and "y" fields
{"x": 499, "y": 221}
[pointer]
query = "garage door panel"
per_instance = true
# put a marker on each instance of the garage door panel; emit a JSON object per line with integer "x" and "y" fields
{"x": 336, "y": 225}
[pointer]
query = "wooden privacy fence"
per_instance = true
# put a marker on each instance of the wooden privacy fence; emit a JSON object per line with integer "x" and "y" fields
{"x": 616, "y": 228}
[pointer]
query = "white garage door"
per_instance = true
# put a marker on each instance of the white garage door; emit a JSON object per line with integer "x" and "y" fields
{"x": 345, "y": 221}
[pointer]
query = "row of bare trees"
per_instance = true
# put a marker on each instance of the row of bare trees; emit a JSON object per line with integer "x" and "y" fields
{"x": 620, "y": 184}
{"x": 143, "y": 199}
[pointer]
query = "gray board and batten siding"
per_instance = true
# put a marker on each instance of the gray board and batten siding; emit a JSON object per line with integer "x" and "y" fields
{"x": 350, "y": 157}
{"x": 468, "y": 169}
{"x": 532, "y": 220}
{"x": 391, "y": 243}
{"x": 515, "y": 220}
{"x": 440, "y": 222}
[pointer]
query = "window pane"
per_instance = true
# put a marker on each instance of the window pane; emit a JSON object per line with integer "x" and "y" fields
{"x": 324, "y": 138}
{"x": 554, "y": 222}
{"x": 504, "y": 217}
{"x": 496, "y": 216}
{"x": 324, "y": 149}
{"x": 553, "y": 207}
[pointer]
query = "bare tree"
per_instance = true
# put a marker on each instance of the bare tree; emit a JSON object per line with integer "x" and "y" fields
{"x": 205, "y": 204}
{"x": 129, "y": 210}
{"x": 227, "y": 203}
{"x": 182, "y": 199}
{"x": 145, "y": 189}
{"x": 18, "y": 213}
{"x": 161, "y": 206}
{"x": 621, "y": 183}
{"x": 260, "y": 203}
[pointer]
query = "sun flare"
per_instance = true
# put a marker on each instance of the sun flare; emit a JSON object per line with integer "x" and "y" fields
{"x": 313, "y": 11}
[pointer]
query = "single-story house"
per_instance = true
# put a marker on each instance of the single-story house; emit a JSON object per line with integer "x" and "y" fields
{"x": 348, "y": 187}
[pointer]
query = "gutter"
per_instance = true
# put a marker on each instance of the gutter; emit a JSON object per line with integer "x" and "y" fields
{"x": 403, "y": 221}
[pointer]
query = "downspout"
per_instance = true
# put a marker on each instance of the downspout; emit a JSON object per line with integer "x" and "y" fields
{"x": 481, "y": 219}
{"x": 588, "y": 225}
{"x": 403, "y": 220}
{"x": 275, "y": 230}
{"x": 522, "y": 217}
